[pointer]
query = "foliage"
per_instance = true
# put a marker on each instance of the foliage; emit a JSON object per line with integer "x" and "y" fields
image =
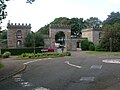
{"x": 6, "y": 54}
{"x": 19, "y": 51}
{"x": 113, "y": 18}
{"x": 1, "y": 65}
{"x": 91, "y": 47}
{"x": 29, "y": 40}
{"x": 99, "y": 47}
{"x": 43, "y": 55}
{"x": 77, "y": 24}
{"x": 104, "y": 53}
{"x": 111, "y": 29}
{"x": 87, "y": 45}
{"x": 34, "y": 39}
{"x": 39, "y": 39}
{"x": 92, "y": 22}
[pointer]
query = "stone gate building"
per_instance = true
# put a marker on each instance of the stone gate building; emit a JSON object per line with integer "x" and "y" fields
{"x": 16, "y": 34}
{"x": 70, "y": 43}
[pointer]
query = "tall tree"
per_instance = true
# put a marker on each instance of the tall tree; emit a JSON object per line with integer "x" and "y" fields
{"x": 93, "y": 22}
{"x": 111, "y": 35}
{"x": 77, "y": 24}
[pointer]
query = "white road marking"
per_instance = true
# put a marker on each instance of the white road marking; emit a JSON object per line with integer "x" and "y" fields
{"x": 87, "y": 79}
{"x": 96, "y": 67}
{"x": 40, "y": 88}
{"x": 67, "y": 62}
{"x": 26, "y": 84}
{"x": 36, "y": 60}
{"x": 114, "y": 61}
{"x": 18, "y": 79}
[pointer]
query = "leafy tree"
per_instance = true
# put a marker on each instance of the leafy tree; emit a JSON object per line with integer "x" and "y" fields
{"x": 34, "y": 39}
{"x": 112, "y": 18}
{"x": 29, "y": 40}
{"x": 77, "y": 24}
{"x": 39, "y": 39}
{"x": 92, "y": 22}
{"x": 3, "y": 34}
{"x": 111, "y": 27}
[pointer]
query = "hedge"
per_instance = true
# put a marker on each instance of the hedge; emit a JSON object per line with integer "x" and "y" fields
{"x": 19, "y": 51}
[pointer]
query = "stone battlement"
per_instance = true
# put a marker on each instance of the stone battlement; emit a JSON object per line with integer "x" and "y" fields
{"x": 59, "y": 26}
{"x": 18, "y": 26}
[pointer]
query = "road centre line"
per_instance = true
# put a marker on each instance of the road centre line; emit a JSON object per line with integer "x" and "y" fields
{"x": 67, "y": 62}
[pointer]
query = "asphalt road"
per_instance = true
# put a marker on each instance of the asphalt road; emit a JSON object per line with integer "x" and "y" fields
{"x": 78, "y": 72}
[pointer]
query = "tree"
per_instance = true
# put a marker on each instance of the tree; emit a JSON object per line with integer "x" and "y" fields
{"x": 29, "y": 40}
{"x": 39, "y": 39}
{"x": 111, "y": 35}
{"x": 77, "y": 24}
{"x": 34, "y": 39}
{"x": 92, "y": 22}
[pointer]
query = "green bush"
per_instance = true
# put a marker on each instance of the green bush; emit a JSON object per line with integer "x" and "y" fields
{"x": 99, "y": 48}
{"x": 87, "y": 45}
{"x": 19, "y": 51}
{"x": 92, "y": 47}
{"x": 6, "y": 55}
{"x": 84, "y": 45}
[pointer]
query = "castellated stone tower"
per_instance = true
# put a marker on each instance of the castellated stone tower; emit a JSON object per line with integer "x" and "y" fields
{"x": 16, "y": 34}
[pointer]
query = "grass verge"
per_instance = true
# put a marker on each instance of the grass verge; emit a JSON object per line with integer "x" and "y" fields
{"x": 1, "y": 65}
{"x": 104, "y": 53}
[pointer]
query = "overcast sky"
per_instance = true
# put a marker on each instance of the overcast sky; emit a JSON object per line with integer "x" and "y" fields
{"x": 42, "y": 12}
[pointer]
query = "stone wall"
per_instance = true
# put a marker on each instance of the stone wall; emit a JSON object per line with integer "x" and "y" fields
{"x": 11, "y": 34}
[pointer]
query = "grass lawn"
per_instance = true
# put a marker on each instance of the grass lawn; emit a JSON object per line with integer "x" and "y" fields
{"x": 1, "y": 65}
{"x": 104, "y": 53}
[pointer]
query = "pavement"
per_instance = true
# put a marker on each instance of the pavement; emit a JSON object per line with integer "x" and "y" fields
{"x": 11, "y": 67}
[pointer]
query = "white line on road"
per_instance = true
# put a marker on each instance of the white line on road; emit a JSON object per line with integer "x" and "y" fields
{"x": 36, "y": 60}
{"x": 67, "y": 62}
{"x": 114, "y": 61}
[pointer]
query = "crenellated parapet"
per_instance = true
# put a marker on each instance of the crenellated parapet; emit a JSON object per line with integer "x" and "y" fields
{"x": 18, "y": 26}
{"x": 59, "y": 26}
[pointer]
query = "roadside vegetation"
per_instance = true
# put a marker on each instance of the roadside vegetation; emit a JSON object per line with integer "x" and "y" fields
{"x": 1, "y": 65}
{"x": 43, "y": 55}
{"x": 104, "y": 53}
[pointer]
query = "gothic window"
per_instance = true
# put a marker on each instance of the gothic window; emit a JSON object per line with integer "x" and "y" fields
{"x": 19, "y": 34}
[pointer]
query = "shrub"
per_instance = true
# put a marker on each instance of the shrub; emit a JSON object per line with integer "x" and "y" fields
{"x": 99, "y": 48}
{"x": 91, "y": 47}
{"x": 84, "y": 45}
{"x": 87, "y": 45}
{"x": 6, "y": 55}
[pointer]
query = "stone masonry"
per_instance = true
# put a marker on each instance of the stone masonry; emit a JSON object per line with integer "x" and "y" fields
{"x": 16, "y": 34}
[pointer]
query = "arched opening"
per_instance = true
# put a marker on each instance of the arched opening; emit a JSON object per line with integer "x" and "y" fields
{"x": 19, "y": 43}
{"x": 60, "y": 38}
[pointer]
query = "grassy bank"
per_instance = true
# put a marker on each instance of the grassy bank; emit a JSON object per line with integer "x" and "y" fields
{"x": 1, "y": 65}
{"x": 104, "y": 53}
